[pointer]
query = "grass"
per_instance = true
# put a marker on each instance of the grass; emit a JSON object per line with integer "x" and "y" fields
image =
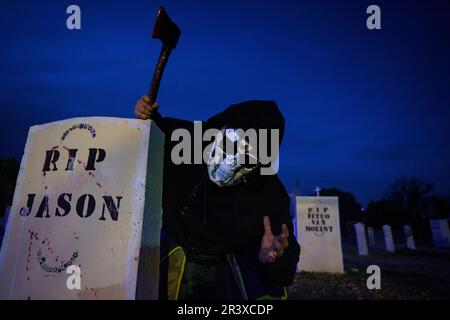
{"x": 405, "y": 275}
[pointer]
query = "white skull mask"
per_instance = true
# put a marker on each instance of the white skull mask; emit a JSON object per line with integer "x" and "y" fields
{"x": 230, "y": 158}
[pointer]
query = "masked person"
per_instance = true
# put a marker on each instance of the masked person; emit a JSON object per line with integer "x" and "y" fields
{"x": 227, "y": 231}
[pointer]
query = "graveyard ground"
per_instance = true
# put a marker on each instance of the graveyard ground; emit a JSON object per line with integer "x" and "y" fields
{"x": 420, "y": 274}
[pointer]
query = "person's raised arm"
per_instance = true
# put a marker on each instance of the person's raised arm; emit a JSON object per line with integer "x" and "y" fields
{"x": 143, "y": 110}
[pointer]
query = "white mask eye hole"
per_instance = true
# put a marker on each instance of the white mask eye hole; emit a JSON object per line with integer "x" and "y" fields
{"x": 225, "y": 143}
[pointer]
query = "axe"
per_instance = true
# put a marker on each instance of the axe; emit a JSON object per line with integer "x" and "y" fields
{"x": 169, "y": 33}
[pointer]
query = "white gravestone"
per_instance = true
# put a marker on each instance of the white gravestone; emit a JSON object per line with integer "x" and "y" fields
{"x": 371, "y": 236}
{"x": 88, "y": 195}
{"x": 388, "y": 238}
{"x": 410, "y": 244}
{"x": 361, "y": 239}
{"x": 440, "y": 231}
{"x": 319, "y": 235}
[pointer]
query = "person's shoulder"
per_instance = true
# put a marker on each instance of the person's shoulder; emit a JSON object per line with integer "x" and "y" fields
{"x": 275, "y": 184}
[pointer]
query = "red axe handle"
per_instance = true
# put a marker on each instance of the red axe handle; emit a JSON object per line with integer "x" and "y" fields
{"x": 157, "y": 75}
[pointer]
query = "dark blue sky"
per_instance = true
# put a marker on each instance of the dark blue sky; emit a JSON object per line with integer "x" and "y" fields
{"x": 362, "y": 107}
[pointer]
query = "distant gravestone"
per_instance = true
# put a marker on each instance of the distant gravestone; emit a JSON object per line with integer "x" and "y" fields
{"x": 371, "y": 236}
{"x": 440, "y": 231}
{"x": 388, "y": 238}
{"x": 319, "y": 234}
{"x": 410, "y": 244}
{"x": 87, "y": 202}
{"x": 361, "y": 239}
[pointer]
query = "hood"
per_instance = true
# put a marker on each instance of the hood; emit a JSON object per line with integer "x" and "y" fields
{"x": 253, "y": 114}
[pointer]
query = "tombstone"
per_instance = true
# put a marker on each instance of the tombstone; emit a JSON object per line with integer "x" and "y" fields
{"x": 440, "y": 231}
{"x": 87, "y": 198}
{"x": 361, "y": 239}
{"x": 319, "y": 235}
{"x": 388, "y": 239}
{"x": 371, "y": 236}
{"x": 410, "y": 244}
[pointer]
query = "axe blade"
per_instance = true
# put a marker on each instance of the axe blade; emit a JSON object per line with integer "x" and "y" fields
{"x": 165, "y": 29}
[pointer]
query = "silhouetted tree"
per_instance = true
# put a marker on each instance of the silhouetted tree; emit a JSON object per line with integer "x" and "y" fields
{"x": 9, "y": 168}
{"x": 349, "y": 207}
{"x": 439, "y": 207}
{"x": 386, "y": 211}
{"x": 413, "y": 196}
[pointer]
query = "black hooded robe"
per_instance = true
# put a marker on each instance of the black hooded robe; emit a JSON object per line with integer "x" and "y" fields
{"x": 203, "y": 218}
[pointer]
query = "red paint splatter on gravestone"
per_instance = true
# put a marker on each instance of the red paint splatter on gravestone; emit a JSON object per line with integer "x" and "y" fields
{"x": 47, "y": 242}
{"x": 33, "y": 236}
{"x": 94, "y": 291}
{"x": 44, "y": 175}
{"x": 91, "y": 174}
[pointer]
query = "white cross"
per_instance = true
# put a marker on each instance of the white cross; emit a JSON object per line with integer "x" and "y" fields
{"x": 317, "y": 190}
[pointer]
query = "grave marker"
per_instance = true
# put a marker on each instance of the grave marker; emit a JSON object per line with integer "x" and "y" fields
{"x": 88, "y": 194}
{"x": 440, "y": 231}
{"x": 319, "y": 234}
{"x": 361, "y": 239}
{"x": 371, "y": 235}
{"x": 388, "y": 238}
{"x": 410, "y": 244}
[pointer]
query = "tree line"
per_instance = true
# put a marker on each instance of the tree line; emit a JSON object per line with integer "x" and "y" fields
{"x": 405, "y": 201}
